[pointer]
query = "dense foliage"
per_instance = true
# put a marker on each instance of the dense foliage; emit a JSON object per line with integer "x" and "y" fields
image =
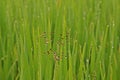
{"x": 59, "y": 39}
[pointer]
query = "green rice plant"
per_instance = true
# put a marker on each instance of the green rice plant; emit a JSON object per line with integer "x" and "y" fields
{"x": 59, "y": 40}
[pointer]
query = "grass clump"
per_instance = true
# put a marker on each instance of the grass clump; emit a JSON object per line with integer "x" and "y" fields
{"x": 59, "y": 40}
